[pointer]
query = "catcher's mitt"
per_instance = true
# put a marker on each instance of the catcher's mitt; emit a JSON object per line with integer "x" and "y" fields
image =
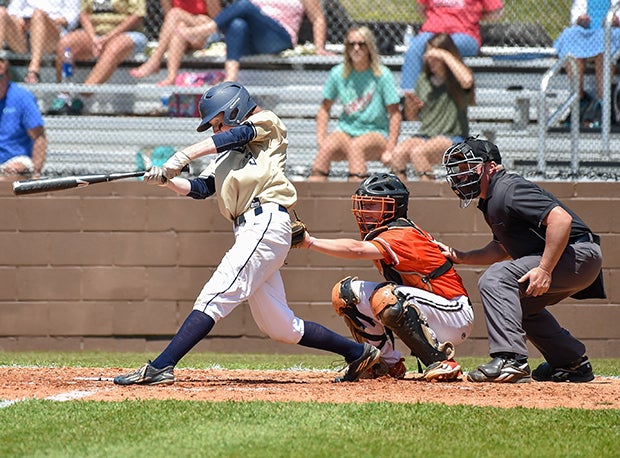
{"x": 298, "y": 232}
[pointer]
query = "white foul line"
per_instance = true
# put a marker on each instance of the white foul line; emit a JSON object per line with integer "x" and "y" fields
{"x": 62, "y": 397}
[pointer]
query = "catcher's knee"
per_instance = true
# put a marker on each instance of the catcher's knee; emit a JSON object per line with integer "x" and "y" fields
{"x": 345, "y": 300}
{"x": 409, "y": 324}
{"x": 343, "y": 296}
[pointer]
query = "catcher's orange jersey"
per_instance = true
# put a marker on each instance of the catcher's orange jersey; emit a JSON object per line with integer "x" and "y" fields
{"x": 411, "y": 252}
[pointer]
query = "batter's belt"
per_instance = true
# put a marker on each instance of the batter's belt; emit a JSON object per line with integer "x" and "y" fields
{"x": 254, "y": 212}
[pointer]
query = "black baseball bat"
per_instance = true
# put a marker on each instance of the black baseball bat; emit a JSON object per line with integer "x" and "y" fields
{"x": 40, "y": 185}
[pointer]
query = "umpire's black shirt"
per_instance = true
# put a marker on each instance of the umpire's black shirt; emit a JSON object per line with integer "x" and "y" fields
{"x": 515, "y": 208}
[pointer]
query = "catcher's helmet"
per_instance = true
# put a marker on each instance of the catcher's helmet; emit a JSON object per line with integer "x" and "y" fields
{"x": 380, "y": 198}
{"x": 461, "y": 162}
{"x": 229, "y": 98}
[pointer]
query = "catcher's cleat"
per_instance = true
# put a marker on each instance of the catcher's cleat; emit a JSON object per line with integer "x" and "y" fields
{"x": 578, "y": 372}
{"x": 370, "y": 357}
{"x": 447, "y": 370}
{"x": 147, "y": 375}
{"x": 398, "y": 370}
{"x": 501, "y": 370}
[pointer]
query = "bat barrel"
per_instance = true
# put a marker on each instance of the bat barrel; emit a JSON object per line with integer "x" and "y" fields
{"x": 43, "y": 185}
{"x": 57, "y": 184}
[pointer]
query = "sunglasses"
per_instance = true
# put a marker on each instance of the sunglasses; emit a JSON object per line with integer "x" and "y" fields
{"x": 358, "y": 43}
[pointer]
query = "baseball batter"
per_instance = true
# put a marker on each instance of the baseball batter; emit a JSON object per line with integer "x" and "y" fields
{"x": 424, "y": 302}
{"x": 247, "y": 176}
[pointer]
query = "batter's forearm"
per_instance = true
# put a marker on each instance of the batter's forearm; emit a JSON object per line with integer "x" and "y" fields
{"x": 200, "y": 149}
{"x": 179, "y": 185}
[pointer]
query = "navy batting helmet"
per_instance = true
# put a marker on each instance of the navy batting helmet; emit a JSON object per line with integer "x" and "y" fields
{"x": 229, "y": 98}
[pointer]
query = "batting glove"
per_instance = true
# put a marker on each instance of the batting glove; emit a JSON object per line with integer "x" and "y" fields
{"x": 156, "y": 176}
{"x": 173, "y": 166}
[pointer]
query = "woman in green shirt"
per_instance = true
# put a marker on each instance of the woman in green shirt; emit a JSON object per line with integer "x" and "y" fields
{"x": 442, "y": 94}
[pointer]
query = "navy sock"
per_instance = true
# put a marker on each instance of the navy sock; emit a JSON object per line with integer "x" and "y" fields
{"x": 195, "y": 328}
{"x": 317, "y": 336}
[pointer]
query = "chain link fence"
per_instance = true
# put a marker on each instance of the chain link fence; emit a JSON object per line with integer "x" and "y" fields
{"x": 506, "y": 86}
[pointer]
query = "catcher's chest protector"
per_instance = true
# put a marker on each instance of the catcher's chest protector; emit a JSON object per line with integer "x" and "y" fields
{"x": 420, "y": 260}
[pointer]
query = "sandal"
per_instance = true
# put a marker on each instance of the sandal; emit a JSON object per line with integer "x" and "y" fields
{"x": 32, "y": 77}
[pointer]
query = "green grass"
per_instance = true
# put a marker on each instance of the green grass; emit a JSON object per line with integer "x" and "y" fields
{"x": 266, "y": 429}
{"x": 269, "y": 429}
{"x": 608, "y": 367}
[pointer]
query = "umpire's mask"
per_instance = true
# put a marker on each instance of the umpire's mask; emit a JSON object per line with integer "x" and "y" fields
{"x": 463, "y": 171}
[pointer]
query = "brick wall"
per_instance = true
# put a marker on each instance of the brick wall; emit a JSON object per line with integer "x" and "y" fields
{"x": 117, "y": 266}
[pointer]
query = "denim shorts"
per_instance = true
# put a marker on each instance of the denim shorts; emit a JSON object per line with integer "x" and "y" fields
{"x": 139, "y": 41}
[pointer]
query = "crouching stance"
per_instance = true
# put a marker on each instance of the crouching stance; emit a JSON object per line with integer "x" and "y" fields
{"x": 423, "y": 301}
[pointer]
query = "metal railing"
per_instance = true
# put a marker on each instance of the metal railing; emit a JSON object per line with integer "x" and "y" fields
{"x": 545, "y": 121}
{"x": 608, "y": 61}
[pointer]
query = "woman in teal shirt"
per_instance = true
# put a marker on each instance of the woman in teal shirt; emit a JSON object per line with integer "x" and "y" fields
{"x": 369, "y": 125}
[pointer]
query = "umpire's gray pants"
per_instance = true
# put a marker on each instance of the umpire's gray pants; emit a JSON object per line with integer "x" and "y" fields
{"x": 511, "y": 316}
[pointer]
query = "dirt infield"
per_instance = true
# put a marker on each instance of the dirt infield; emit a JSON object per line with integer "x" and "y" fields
{"x": 62, "y": 384}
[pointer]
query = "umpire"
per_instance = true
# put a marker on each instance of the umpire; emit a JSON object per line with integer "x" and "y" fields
{"x": 541, "y": 253}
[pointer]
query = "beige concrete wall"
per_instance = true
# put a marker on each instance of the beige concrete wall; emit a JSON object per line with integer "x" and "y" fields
{"x": 117, "y": 266}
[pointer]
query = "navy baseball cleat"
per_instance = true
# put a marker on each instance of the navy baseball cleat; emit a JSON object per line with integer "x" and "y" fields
{"x": 370, "y": 357}
{"x": 502, "y": 370}
{"x": 579, "y": 371}
{"x": 147, "y": 375}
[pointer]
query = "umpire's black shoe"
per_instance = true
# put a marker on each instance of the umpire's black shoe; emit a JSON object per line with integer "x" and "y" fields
{"x": 501, "y": 370}
{"x": 579, "y": 371}
{"x": 370, "y": 357}
{"x": 147, "y": 375}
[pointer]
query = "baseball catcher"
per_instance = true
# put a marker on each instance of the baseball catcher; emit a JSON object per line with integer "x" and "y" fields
{"x": 423, "y": 300}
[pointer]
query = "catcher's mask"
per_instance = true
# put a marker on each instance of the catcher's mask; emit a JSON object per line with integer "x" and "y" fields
{"x": 229, "y": 98}
{"x": 462, "y": 163}
{"x": 380, "y": 198}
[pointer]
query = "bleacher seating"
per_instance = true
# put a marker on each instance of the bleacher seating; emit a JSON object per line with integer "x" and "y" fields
{"x": 507, "y": 91}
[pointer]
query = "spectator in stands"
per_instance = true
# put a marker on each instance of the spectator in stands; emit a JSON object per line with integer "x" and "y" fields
{"x": 253, "y": 27}
{"x": 369, "y": 125}
{"x": 443, "y": 92}
{"x": 36, "y": 26}
{"x": 584, "y": 39}
{"x": 111, "y": 32}
{"x": 23, "y": 145}
{"x": 461, "y": 20}
{"x": 190, "y": 13}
